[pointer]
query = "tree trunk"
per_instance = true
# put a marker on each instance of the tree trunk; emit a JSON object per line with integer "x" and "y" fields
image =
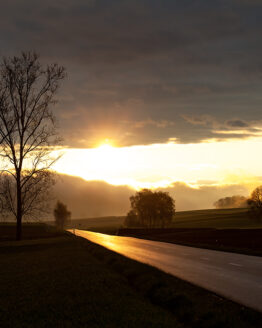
{"x": 19, "y": 227}
{"x": 19, "y": 209}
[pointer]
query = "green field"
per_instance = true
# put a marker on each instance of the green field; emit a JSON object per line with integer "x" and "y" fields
{"x": 109, "y": 221}
{"x": 66, "y": 281}
{"x": 235, "y": 218}
{"x": 108, "y": 224}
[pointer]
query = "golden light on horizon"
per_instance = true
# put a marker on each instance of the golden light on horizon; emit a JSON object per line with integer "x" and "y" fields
{"x": 160, "y": 165}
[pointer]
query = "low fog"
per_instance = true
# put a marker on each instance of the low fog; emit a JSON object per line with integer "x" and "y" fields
{"x": 96, "y": 198}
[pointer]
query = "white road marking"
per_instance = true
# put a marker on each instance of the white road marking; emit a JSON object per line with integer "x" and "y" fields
{"x": 235, "y": 264}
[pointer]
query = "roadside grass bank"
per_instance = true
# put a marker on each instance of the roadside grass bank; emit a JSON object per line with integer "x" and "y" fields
{"x": 244, "y": 241}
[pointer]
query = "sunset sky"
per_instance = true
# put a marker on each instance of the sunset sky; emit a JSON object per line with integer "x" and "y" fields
{"x": 157, "y": 91}
{"x": 159, "y": 165}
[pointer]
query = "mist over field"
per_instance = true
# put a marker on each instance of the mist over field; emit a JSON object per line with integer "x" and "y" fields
{"x": 97, "y": 198}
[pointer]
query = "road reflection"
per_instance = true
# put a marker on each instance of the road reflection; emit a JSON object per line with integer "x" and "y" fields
{"x": 210, "y": 269}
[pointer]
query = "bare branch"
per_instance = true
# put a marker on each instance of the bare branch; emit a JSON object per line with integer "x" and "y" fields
{"x": 27, "y": 130}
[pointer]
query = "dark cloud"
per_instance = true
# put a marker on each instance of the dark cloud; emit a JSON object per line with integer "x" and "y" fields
{"x": 199, "y": 120}
{"x": 137, "y": 61}
{"x": 249, "y": 3}
{"x": 237, "y": 124}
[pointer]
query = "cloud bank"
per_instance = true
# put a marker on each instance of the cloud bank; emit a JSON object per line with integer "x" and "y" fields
{"x": 95, "y": 198}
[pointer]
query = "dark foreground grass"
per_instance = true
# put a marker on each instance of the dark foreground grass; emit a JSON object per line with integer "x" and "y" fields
{"x": 61, "y": 284}
{"x": 70, "y": 282}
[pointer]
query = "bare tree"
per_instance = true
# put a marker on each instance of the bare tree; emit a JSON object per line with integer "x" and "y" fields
{"x": 28, "y": 133}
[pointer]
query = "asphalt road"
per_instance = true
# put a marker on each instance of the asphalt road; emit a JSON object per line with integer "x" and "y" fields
{"x": 234, "y": 276}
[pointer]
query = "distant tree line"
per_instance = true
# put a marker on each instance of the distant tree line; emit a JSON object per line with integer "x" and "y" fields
{"x": 253, "y": 203}
{"x": 150, "y": 209}
{"x": 235, "y": 201}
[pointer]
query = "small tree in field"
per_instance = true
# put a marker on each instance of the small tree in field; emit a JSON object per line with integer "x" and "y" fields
{"x": 27, "y": 134}
{"x": 255, "y": 203}
{"x": 61, "y": 214}
{"x": 151, "y": 209}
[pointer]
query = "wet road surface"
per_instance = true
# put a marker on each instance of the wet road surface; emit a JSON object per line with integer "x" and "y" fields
{"x": 234, "y": 276}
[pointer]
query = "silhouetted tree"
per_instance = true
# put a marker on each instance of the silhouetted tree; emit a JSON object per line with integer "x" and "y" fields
{"x": 231, "y": 202}
{"x": 132, "y": 220}
{"x": 27, "y": 133}
{"x": 151, "y": 209}
{"x": 61, "y": 214}
{"x": 255, "y": 203}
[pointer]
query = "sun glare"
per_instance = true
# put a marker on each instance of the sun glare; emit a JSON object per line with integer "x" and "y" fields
{"x": 105, "y": 145}
{"x": 156, "y": 166}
